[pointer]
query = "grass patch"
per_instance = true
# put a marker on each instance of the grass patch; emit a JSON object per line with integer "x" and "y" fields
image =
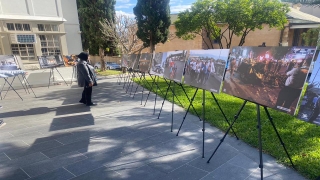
{"x": 302, "y": 139}
{"x": 108, "y": 72}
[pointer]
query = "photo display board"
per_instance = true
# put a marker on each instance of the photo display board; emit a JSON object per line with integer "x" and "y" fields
{"x": 269, "y": 76}
{"x": 125, "y": 60}
{"x": 9, "y": 62}
{"x": 174, "y": 65}
{"x": 134, "y": 61}
{"x": 158, "y": 64}
{"x": 310, "y": 103}
{"x": 144, "y": 62}
{"x": 204, "y": 69}
{"x": 50, "y": 61}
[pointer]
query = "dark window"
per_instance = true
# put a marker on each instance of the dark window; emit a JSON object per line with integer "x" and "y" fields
{"x": 25, "y": 38}
{"x": 26, "y": 27}
{"x": 40, "y": 27}
{"x": 18, "y": 27}
{"x": 10, "y": 26}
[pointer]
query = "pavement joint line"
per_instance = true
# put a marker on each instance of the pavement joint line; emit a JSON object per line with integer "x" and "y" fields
{"x": 69, "y": 171}
{"x": 7, "y": 156}
{"x": 45, "y": 155}
{"x": 25, "y": 172}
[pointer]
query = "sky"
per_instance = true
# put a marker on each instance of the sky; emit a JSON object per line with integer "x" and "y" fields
{"x": 126, "y": 6}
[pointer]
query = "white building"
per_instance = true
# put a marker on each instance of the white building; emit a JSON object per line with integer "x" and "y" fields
{"x": 31, "y": 28}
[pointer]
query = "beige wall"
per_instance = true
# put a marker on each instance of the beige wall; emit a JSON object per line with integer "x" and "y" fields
{"x": 177, "y": 44}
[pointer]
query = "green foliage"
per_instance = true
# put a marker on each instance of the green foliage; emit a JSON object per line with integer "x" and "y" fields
{"x": 312, "y": 37}
{"x": 223, "y": 19}
{"x": 302, "y": 139}
{"x": 153, "y": 19}
{"x": 91, "y": 12}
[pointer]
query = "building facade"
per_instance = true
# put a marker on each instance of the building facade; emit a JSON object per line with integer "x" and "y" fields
{"x": 31, "y": 28}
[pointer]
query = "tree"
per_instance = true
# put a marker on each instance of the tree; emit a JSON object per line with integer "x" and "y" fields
{"x": 224, "y": 19}
{"x": 153, "y": 19}
{"x": 312, "y": 37}
{"x": 91, "y": 12}
{"x": 123, "y": 30}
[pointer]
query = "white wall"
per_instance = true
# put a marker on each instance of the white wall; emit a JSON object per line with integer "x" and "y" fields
{"x": 72, "y": 28}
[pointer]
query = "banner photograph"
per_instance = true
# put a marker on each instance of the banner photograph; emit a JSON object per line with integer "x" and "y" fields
{"x": 158, "y": 64}
{"x": 50, "y": 61}
{"x": 125, "y": 61}
{"x": 310, "y": 103}
{"x": 204, "y": 69}
{"x": 269, "y": 76}
{"x": 8, "y": 62}
{"x": 144, "y": 62}
{"x": 174, "y": 65}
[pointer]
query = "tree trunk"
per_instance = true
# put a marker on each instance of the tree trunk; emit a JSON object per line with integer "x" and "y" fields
{"x": 103, "y": 64}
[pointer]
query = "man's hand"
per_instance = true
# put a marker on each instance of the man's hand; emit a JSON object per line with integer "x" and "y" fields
{"x": 90, "y": 84}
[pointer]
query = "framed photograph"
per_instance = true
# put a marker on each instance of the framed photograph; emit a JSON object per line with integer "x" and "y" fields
{"x": 125, "y": 60}
{"x": 144, "y": 62}
{"x": 204, "y": 69}
{"x": 310, "y": 103}
{"x": 270, "y": 76}
{"x": 174, "y": 65}
{"x": 158, "y": 64}
{"x": 134, "y": 61}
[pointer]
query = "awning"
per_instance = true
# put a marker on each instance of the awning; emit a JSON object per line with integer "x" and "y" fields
{"x": 32, "y": 18}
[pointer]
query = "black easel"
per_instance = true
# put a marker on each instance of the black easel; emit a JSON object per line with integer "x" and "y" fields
{"x": 203, "y": 117}
{"x": 165, "y": 97}
{"x": 153, "y": 82}
{"x": 52, "y": 72}
{"x": 259, "y": 135}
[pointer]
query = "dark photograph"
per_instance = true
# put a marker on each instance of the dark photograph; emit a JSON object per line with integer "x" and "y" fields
{"x": 50, "y": 61}
{"x": 134, "y": 61}
{"x": 174, "y": 65}
{"x": 205, "y": 68}
{"x": 310, "y": 103}
{"x": 269, "y": 76}
{"x": 158, "y": 64}
{"x": 144, "y": 62}
{"x": 8, "y": 62}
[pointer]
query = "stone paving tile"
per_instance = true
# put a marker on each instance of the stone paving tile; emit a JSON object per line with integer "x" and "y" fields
{"x": 186, "y": 172}
{"x": 8, "y": 145}
{"x": 12, "y": 173}
{"x": 3, "y": 158}
{"x": 15, "y": 153}
{"x": 58, "y": 174}
{"x": 26, "y": 160}
{"x": 48, "y": 165}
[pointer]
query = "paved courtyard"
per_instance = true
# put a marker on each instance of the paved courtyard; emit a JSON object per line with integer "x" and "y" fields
{"x": 55, "y": 137}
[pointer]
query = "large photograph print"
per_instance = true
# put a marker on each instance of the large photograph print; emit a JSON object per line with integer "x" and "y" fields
{"x": 205, "y": 68}
{"x": 174, "y": 65}
{"x": 310, "y": 103}
{"x": 134, "y": 61}
{"x": 125, "y": 60}
{"x": 50, "y": 61}
{"x": 269, "y": 76}
{"x": 158, "y": 64}
{"x": 8, "y": 62}
{"x": 144, "y": 62}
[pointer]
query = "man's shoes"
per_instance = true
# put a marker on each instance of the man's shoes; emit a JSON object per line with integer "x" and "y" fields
{"x": 82, "y": 102}
{"x": 2, "y": 123}
{"x": 92, "y": 104}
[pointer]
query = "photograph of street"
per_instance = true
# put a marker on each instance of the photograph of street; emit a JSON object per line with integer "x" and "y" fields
{"x": 174, "y": 65}
{"x": 158, "y": 64}
{"x": 310, "y": 103}
{"x": 144, "y": 62}
{"x": 269, "y": 76}
{"x": 205, "y": 68}
{"x": 50, "y": 61}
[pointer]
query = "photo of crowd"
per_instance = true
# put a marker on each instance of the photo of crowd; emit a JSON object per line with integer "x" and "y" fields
{"x": 50, "y": 61}
{"x": 269, "y": 76}
{"x": 144, "y": 62}
{"x": 310, "y": 103}
{"x": 174, "y": 65}
{"x": 158, "y": 64}
{"x": 205, "y": 68}
{"x": 8, "y": 62}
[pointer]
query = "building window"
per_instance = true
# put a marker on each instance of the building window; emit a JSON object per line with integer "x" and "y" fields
{"x": 18, "y": 27}
{"x": 25, "y": 51}
{"x": 50, "y": 44}
{"x": 48, "y": 27}
{"x": 26, "y": 38}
